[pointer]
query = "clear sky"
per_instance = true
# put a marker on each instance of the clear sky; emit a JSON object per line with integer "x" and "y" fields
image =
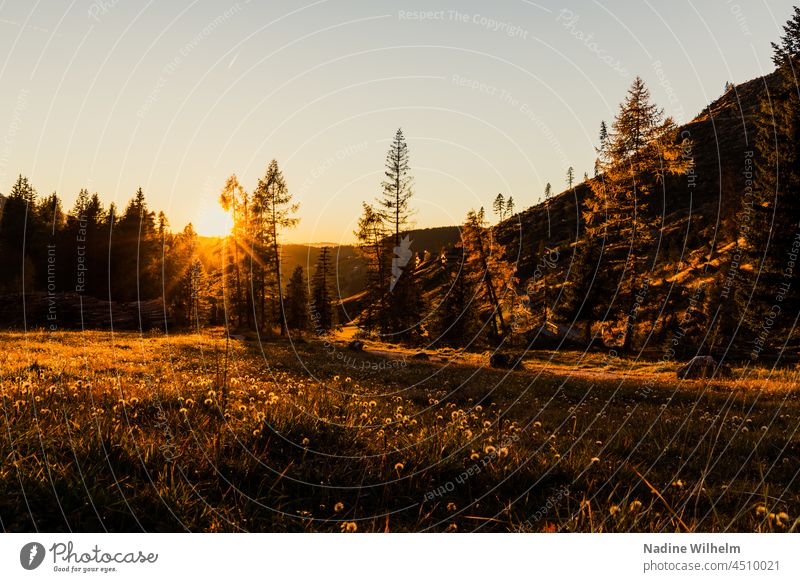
{"x": 492, "y": 96}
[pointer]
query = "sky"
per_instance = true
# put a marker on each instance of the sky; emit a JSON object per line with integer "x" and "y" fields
{"x": 493, "y": 97}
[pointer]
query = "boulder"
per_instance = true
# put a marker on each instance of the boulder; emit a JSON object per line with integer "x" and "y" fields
{"x": 356, "y": 346}
{"x": 420, "y": 356}
{"x": 504, "y": 361}
{"x": 703, "y": 367}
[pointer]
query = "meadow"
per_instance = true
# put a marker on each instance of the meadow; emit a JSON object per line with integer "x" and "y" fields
{"x": 126, "y": 432}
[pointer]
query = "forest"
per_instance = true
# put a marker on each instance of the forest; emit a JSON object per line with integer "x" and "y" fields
{"x": 632, "y": 255}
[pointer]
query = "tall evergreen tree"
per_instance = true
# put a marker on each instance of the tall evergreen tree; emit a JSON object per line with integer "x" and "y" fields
{"x": 297, "y": 317}
{"x": 455, "y": 319}
{"x": 499, "y": 206}
{"x": 18, "y": 227}
{"x": 277, "y": 212}
{"x": 372, "y": 241}
{"x": 487, "y": 269}
{"x": 394, "y": 202}
{"x": 322, "y": 297}
{"x": 788, "y": 47}
{"x": 640, "y": 150}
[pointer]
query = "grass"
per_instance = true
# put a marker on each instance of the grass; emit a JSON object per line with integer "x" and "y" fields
{"x": 123, "y": 432}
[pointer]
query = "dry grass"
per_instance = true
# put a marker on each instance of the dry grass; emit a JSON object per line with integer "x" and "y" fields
{"x": 170, "y": 433}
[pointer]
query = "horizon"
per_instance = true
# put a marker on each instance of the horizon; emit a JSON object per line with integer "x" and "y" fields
{"x": 156, "y": 88}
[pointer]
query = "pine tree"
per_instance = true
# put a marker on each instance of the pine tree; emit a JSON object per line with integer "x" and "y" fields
{"x": 455, "y": 321}
{"x": 372, "y": 235}
{"x": 297, "y": 317}
{"x": 323, "y": 313}
{"x": 570, "y": 177}
{"x": 276, "y": 210}
{"x": 499, "y": 206}
{"x": 397, "y": 192}
{"x": 18, "y": 226}
{"x": 135, "y": 244}
{"x": 492, "y": 275}
{"x": 788, "y": 47}
{"x": 634, "y": 158}
{"x": 510, "y": 206}
{"x": 548, "y": 191}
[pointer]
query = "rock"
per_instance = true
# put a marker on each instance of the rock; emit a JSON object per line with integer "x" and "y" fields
{"x": 420, "y": 356}
{"x": 356, "y": 346}
{"x": 703, "y": 367}
{"x": 504, "y": 362}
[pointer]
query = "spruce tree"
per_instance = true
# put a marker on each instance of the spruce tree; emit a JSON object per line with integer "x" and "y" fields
{"x": 395, "y": 200}
{"x": 323, "y": 315}
{"x": 297, "y": 312}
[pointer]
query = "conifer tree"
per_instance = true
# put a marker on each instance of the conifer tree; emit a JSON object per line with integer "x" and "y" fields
{"x": 372, "y": 242}
{"x": 499, "y": 206}
{"x": 766, "y": 288}
{"x": 276, "y": 211}
{"x": 321, "y": 293}
{"x": 297, "y": 307}
{"x": 638, "y": 152}
{"x": 395, "y": 199}
{"x": 492, "y": 275}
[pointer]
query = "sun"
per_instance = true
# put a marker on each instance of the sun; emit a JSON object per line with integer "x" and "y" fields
{"x": 213, "y": 221}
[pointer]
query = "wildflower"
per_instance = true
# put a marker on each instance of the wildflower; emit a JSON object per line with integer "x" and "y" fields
{"x": 208, "y": 402}
{"x": 372, "y": 404}
{"x": 338, "y": 507}
{"x": 782, "y": 519}
{"x": 474, "y": 456}
{"x": 399, "y": 467}
{"x": 489, "y": 450}
{"x": 349, "y": 527}
{"x": 537, "y": 424}
{"x": 184, "y": 411}
{"x": 242, "y": 408}
{"x": 452, "y": 528}
{"x": 348, "y": 379}
{"x": 256, "y": 432}
{"x": 614, "y": 510}
{"x": 336, "y": 378}
{"x": 679, "y": 484}
{"x": 503, "y": 452}
{"x": 636, "y": 505}
{"x": 595, "y": 460}
{"x": 306, "y": 442}
{"x": 451, "y": 506}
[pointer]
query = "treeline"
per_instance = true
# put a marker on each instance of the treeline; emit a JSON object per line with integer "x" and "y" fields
{"x": 97, "y": 251}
